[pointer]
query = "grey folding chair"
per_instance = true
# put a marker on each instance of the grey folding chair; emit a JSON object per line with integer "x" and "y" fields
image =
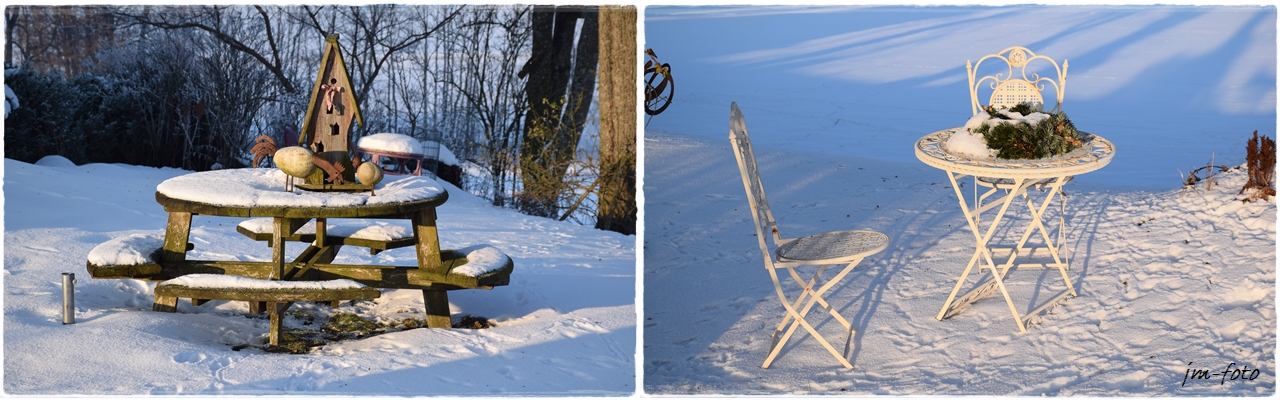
{"x": 823, "y": 250}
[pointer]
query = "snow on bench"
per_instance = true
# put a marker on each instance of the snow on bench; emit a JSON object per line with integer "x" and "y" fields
{"x": 350, "y": 228}
{"x": 234, "y": 287}
{"x": 224, "y": 282}
{"x": 376, "y": 235}
{"x": 468, "y": 267}
{"x": 126, "y": 256}
{"x": 280, "y": 294}
{"x": 127, "y": 250}
{"x": 482, "y": 260}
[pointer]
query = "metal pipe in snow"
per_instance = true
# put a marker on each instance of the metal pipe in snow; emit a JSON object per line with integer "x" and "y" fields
{"x": 68, "y": 298}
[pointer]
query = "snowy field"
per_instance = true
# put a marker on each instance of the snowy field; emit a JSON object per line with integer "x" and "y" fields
{"x": 565, "y": 324}
{"x": 835, "y": 97}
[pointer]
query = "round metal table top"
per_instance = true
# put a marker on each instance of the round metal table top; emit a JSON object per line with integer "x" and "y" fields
{"x": 1094, "y": 154}
{"x": 259, "y": 192}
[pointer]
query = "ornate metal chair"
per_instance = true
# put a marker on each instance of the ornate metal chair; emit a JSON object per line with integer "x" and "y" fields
{"x": 1009, "y": 88}
{"x": 822, "y": 250}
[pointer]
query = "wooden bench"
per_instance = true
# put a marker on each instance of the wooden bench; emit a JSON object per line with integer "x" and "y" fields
{"x": 475, "y": 267}
{"x": 278, "y": 294}
{"x": 375, "y": 235}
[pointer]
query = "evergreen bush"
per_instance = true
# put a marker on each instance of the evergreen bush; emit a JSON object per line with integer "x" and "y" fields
{"x": 1053, "y": 136}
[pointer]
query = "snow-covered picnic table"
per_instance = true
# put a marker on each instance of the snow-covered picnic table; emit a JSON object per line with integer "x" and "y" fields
{"x": 287, "y": 216}
{"x": 1014, "y": 177}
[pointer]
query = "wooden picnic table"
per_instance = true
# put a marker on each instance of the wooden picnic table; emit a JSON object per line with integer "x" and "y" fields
{"x": 249, "y": 193}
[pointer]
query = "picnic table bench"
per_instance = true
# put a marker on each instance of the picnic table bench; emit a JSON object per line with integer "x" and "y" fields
{"x": 278, "y": 294}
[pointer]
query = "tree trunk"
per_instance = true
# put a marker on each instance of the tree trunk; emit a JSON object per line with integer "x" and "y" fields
{"x": 549, "y": 69}
{"x": 578, "y": 101}
{"x": 616, "y": 210}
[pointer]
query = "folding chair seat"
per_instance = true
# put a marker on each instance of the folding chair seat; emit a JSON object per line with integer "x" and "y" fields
{"x": 823, "y": 250}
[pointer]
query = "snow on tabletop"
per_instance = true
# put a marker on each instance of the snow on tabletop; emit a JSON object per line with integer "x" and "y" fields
{"x": 264, "y": 187}
{"x": 215, "y": 281}
{"x": 127, "y": 250}
{"x": 390, "y": 142}
{"x": 481, "y": 259}
{"x": 352, "y": 228}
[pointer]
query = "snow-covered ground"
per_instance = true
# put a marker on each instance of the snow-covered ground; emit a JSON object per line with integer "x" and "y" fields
{"x": 565, "y": 324}
{"x": 834, "y": 97}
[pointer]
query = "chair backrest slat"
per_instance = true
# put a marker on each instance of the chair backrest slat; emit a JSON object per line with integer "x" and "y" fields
{"x": 1013, "y": 85}
{"x": 765, "y": 224}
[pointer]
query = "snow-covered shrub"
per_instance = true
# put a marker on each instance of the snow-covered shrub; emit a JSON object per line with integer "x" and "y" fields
{"x": 10, "y": 98}
{"x": 40, "y": 126}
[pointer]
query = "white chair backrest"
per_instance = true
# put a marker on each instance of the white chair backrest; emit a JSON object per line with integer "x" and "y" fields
{"x": 765, "y": 224}
{"x": 1009, "y": 89}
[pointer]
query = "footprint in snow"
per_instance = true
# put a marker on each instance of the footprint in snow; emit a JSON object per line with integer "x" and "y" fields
{"x": 509, "y": 372}
{"x": 188, "y": 357}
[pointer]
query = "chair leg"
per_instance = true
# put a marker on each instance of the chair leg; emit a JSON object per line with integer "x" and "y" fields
{"x": 803, "y": 295}
{"x": 796, "y": 318}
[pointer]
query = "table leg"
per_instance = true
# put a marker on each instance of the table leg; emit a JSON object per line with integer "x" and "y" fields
{"x": 277, "y": 248}
{"x": 176, "y": 234}
{"x": 437, "y": 302}
{"x": 427, "y": 241}
{"x": 427, "y": 245}
{"x": 1037, "y": 217}
{"x": 982, "y": 252}
{"x": 281, "y": 228}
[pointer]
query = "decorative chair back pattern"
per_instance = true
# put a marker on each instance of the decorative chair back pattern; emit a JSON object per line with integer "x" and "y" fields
{"x": 1008, "y": 89}
{"x": 765, "y": 224}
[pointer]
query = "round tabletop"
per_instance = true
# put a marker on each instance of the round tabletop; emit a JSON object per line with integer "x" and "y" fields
{"x": 259, "y": 192}
{"x": 1094, "y": 154}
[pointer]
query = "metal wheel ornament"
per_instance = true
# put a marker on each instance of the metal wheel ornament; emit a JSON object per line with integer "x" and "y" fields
{"x": 659, "y": 87}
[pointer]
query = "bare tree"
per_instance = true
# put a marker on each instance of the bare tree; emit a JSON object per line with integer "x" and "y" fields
{"x": 488, "y": 47}
{"x": 561, "y": 79}
{"x": 57, "y": 39}
{"x": 373, "y": 35}
{"x": 255, "y": 35}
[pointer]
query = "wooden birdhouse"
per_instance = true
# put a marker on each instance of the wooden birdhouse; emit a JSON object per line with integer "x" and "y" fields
{"x": 327, "y": 126}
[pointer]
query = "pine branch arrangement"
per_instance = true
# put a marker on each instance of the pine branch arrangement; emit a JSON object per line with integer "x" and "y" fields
{"x": 1261, "y": 161}
{"x": 1053, "y": 136}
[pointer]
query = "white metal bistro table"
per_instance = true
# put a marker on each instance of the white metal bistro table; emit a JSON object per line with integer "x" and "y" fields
{"x": 1014, "y": 176}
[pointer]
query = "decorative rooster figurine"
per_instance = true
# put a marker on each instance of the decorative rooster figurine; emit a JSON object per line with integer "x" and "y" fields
{"x": 333, "y": 169}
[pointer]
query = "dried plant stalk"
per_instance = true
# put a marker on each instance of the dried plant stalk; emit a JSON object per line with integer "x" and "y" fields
{"x": 1261, "y": 162}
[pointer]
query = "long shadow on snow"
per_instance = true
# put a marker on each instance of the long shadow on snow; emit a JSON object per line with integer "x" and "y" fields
{"x": 501, "y": 374}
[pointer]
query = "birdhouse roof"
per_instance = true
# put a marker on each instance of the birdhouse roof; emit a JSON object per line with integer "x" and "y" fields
{"x": 331, "y": 50}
